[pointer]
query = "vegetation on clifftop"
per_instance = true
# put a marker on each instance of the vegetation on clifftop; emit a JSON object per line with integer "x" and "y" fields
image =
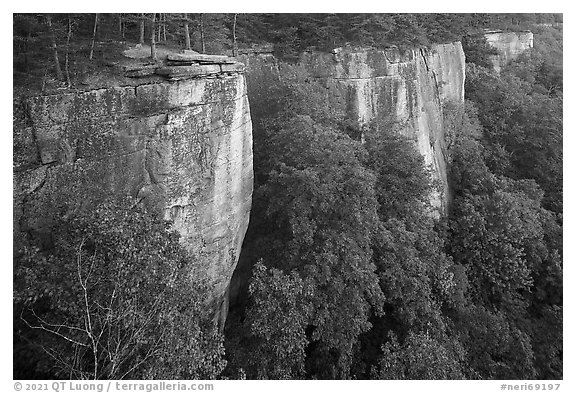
{"x": 54, "y": 51}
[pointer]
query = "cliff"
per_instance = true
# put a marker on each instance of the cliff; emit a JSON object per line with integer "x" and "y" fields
{"x": 406, "y": 90}
{"x": 182, "y": 142}
{"x": 403, "y": 90}
{"x": 509, "y": 45}
{"x": 182, "y": 146}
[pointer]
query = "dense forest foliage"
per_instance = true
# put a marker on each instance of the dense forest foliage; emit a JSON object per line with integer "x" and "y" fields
{"x": 64, "y": 50}
{"x": 348, "y": 274}
{"x": 109, "y": 299}
{"x": 352, "y": 278}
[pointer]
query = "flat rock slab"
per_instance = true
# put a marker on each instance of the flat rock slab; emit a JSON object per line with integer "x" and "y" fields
{"x": 200, "y": 58}
{"x": 188, "y": 71}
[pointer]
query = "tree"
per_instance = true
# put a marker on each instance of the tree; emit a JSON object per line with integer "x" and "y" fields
{"x": 112, "y": 299}
{"x": 121, "y": 26}
{"x": 278, "y": 317}
{"x": 164, "y": 21}
{"x": 66, "y": 61}
{"x": 421, "y": 357}
{"x": 371, "y": 29}
{"x": 187, "y": 32}
{"x": 93, "y": 36}
{"x": 317, "y": 215}
{"x": 403, "y": 184}
{"x": 215, "y": 33}
{"x": 522, "y": 130}
{"x": 153, "y": 39}
{"x": 509, "y": 246}
{"x": 496, "y": 348}
{"x": 202, "y": 39}
{"x": 59, "y": 74}
{"x": 234, "y": 48}
{"x": 322, "y": 229}
{"x": 141, "y": 36}
{"x": 477, "y": 49}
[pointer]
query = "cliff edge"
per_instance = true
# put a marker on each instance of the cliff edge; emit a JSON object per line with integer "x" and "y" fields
{"x": 405, "y": 90}
{"x": 509, "y": 46}
{"x": 183, "y": 146}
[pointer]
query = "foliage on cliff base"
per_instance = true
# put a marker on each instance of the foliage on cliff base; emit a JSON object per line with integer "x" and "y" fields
{"x": 521, "y": 113}
{"x": 476, "y": 295}
{"x": 510, "y": 248}
{"x": 506, "y": 224}
{"x": 319, "y": 217}
{"x": 345, "y": 220}
{"x": 113, "y": 298}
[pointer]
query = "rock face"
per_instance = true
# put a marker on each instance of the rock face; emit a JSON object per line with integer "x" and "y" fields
{"x": 184, "y": 147}
{"x": 406, "y": 90}
{"x": 509, "y": 45}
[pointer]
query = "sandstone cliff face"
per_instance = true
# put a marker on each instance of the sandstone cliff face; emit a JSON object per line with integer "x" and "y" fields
{"x": 509, "y": 46}
{"x": 184, "y": 147}
{"x": 405, "y": 90}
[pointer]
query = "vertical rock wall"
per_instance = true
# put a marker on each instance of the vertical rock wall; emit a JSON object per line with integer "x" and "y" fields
{"x": 406, "y": 90}
{"x": 184, "y": 147}
{"x": 509, "y": 45}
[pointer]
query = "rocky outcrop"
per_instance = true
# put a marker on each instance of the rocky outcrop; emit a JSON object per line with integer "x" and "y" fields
{"x": 184, "y": 147}
{"x": 406, "y": 90}
{"x": 509, "y": 45}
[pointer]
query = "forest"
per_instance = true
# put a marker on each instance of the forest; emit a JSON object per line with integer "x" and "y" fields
{"x": 350, "y": 276}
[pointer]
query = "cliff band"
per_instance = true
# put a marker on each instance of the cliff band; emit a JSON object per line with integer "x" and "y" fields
{"x": 184, "y": 147}
{"x": 509, "y": 46}
{"x": 405, "y": 91}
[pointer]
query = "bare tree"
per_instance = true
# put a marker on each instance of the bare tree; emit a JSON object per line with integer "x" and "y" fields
{"x": 153, "y": 53}
{"x": 107, "y": 332}
{"x": 121, "y": 26}
{"x": 96, "y": 17}
{"x": 26, "y": 48}
{"x": 54, "y": 47}
{"x": 157, "y": 29}
{"x": 141, "y": 39}
{"x": 203, "y": 44}
{"x": 234, "y": 48}
{"x": 66, "y": 62}
{"x": 187, "y": 32}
